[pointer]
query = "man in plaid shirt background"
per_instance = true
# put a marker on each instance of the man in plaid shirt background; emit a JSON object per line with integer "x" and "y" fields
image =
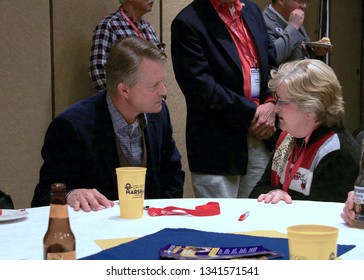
{"x": 126, "y": 21}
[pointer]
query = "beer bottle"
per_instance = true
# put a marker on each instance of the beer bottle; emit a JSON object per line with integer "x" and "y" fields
{"x": 359, "y": 193}
{"x": 59, "y": 241}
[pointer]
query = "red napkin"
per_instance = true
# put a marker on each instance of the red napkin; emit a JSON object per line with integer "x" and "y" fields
{"x": 208, "y": 209}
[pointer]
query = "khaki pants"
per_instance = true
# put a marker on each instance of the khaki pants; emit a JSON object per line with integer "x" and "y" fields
{"x": 235, "y": 186}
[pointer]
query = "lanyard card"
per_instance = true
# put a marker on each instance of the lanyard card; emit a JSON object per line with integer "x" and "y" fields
{"x": 255, "y": 82}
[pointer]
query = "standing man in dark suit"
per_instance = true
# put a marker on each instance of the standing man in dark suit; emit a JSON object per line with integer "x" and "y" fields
{"x": 126, "y": 125}
{"x": 222, "y": 56}
{"x": 284, "y": 19}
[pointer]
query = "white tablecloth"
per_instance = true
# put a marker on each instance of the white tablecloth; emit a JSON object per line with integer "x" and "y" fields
{"x": 23, "y": 238}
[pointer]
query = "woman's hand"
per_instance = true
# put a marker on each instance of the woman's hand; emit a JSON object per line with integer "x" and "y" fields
{"x": 275, "y": 196}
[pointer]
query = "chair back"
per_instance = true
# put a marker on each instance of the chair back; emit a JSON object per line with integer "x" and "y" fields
{"x": 5, "y": 201}
{"x": 359, "y": 135}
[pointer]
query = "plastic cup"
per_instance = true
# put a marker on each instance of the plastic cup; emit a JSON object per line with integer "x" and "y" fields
{"x": 312, "y": 242}
{"x": 131, "y": 184}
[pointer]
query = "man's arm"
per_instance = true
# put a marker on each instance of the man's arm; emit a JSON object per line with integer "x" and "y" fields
{"x": 172, "y": 176}
{"x": 102, "y": 41}
{"x": 62, "y": 153}
{"x": 285, "y": 40}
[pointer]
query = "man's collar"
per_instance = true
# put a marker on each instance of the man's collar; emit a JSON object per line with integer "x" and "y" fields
{"x": 237, "y": 4}
{"x": 276, "y": 12}
{"x": 142, "y": 117}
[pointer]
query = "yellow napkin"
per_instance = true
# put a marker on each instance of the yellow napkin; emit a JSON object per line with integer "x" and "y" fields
{"x": 265, "y": 233}
{"x": 109, "y": 243}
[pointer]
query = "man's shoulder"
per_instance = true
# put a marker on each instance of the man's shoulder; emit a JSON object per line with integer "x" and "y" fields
{"x": 247, "y": 4}
{"x": 196, "y": 13}
{"x": 110, "y": 19}
{"x": 83, "y": 109}
{"x": 188, "y": 10}
{"x": 268, "y": 13}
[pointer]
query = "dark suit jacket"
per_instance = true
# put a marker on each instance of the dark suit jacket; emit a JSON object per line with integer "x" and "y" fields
{"x": 208, "y": 71}
{"x": 80, "y": 150}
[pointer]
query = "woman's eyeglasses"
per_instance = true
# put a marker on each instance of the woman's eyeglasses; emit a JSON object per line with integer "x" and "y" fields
{"x": 281, "y": 102}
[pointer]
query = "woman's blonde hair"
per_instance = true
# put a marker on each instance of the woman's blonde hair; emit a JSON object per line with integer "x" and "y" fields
{"x": 314, "y": 87}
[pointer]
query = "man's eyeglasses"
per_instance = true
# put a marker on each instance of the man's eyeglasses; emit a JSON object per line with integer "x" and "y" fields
{"x": 281, "y": 102}
{"x": 302, "y": 2}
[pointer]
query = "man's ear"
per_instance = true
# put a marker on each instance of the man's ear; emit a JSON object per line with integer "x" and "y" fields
{"x": 123, "y": 89}
{"x": 281, "y": 3}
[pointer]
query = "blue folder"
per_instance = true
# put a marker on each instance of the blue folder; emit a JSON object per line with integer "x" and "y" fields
{"x": 147, "y": 247}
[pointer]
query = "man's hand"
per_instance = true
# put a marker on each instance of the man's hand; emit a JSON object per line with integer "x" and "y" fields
{"x": 348, "y": 214}
{"x": 296, "y": 18}
{"x": 262, "y": 125}
{"x": 87, "y": 200}
{"x": 317, "y": 51}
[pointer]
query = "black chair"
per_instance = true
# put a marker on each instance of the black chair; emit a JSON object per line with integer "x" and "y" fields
{"x": 359, "y": 135}
{"x": 5, "y": 201}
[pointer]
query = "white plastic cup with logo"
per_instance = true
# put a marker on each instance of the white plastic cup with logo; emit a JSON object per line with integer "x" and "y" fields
{"x": 131, "y": 185}
{"x": 312, "y": 242}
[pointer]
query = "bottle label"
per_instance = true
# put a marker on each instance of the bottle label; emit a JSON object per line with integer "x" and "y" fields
{"x": 359, "y": 194}
{"x": 359, "y": 203}
{"x": 58, "y": 211}
{"x": 62, "y": 256}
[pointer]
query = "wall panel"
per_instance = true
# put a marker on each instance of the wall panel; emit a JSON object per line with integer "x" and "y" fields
{"x": 175, "y": 100}
{"x": 73, "y": 25}
{"x": 25, "y": 94}
{"x": 346, "y": 56}
{"x": 74, "y": 22}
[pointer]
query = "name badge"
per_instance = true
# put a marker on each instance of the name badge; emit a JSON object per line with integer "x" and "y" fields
{"x": 255, "y": 82}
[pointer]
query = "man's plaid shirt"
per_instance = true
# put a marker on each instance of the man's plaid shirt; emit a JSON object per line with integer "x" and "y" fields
{"x": 105, "y": 34}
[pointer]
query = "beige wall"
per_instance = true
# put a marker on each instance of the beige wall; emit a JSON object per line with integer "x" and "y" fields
{"x": 32, "y": 68}
{"x": 175, "y": 100}
{"x": 73, "y": 25}
{"x": 347, "y": 56}
{"x": 25, "y": 94}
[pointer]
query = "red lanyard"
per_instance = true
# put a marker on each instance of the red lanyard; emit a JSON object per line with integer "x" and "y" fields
{"x": 291, "y": 172}
{"x": 208, "y": 209}
{"x": 233, "y": 25}
{"x": 250, "y": 57}
{"x": 137, "y": 31}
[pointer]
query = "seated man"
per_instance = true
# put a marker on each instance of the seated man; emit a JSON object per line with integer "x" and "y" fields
{"x": 126, "y": 125}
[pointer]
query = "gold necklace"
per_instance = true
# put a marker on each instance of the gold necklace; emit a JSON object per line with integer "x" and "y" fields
{"x": 299, "y": 151}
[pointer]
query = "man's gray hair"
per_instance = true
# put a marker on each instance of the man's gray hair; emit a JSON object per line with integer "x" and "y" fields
{"x": 123, "y": 61}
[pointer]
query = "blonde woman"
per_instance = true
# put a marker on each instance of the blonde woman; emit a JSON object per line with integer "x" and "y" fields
{"x": 315, "y": 157}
